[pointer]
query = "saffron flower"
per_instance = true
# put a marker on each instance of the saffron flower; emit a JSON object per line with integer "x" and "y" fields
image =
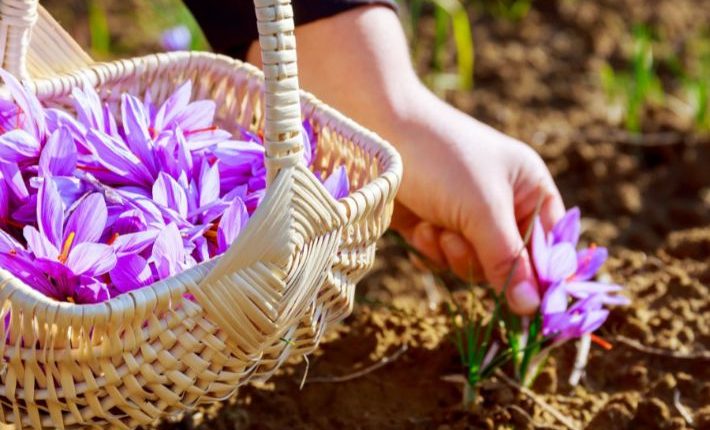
{"x": 564, "y": 274}
{"x": 176, "y": 38}
{"x": 65, "y": 247}
{"x": 100, "y": 201}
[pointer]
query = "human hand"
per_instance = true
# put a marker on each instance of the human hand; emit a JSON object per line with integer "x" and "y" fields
{"x": 466, "y": 205}
{"x": 468, "y": 191}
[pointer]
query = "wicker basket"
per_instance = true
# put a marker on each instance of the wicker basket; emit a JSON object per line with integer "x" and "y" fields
{"x": 291, "y": 274}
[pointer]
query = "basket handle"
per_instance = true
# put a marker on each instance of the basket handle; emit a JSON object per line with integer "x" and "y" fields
{"x": 282, "y": 109}
{"x": 22, "y": 20}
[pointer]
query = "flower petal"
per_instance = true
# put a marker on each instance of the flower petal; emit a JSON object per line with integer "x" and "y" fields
{"x": 540, "y": 250}
{"x": 13, "y": 179}
{"x": 28, "y": 272}
{"x": 175, "y": 104}
{"x": 167, "y": 192}
{"x": 568, "y": 228}
{"x": 168, "y": 251}
{"x": 337, "y": 183}
{"x": 309, "y": 143}
{"x": 40, "y": 246}
{"x": 59, "y": 154}
{"x": 50, "y": 212}
{"x": 134, "y": 243}
{"x": 196, "y": 116}
{"x": 592, "y": 321}
{"x": 562, "y": 263}
{"x": 135, "y": 129}
{"x": 87, "y": 105}
{"x": 584, "y": 289}
{"x": 88, "y": 220}
{"x": 89, "y": 290}
{"x": 9, "y": 243}
{"x": 31, "y": 112}
{"x": 91, "y": 259}
{"x": 554, "y": 300}
{"x": 589, "y": 261}
{"x": 4, "y": 200}
{"x": 209, "y": 183}
{"x": 117, "y": 158}
{"x": 131, "y": 272}
{"x": 17, "y": 146}
{"x": 233, "y": 221}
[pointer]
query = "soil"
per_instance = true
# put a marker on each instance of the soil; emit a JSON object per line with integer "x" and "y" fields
{"x": 647, "y": 199}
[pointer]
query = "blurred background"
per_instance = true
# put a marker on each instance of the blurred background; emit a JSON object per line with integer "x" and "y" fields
{"x": 643, "y": 59}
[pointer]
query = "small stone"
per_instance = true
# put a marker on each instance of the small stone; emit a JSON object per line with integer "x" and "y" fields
{"x": 520, "y": 418}
{"x": 631, "y": 199}
{"x": 702, "y": 419}
{"x": 503, "y": 396}
{"x": 638, "y": 376}
{"x": 546, "y": 381}
{"x": 612, "y": 415}
{"x": 665, "y": 386}
{"x": 652, "y": 414}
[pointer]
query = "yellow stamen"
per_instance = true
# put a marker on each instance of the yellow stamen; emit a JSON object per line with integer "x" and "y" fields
{"x": 66, "y": 248}
{"x": 70, "y": 299}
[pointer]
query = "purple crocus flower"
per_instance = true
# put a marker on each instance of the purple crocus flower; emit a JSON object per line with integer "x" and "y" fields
{"x": 168, "y": 257}
{"x": 554, "y": 254}
{"x": 176, "y": 38}
{"x": 564, "y": 274}
{"x": 585, "y": 316}
{"x": 64, "y": 249}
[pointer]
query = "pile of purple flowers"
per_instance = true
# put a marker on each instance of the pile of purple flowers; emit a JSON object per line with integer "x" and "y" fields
{"x": 92, "y": 206}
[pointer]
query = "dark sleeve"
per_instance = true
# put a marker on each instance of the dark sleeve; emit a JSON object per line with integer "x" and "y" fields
{"x": 230, "y": 25}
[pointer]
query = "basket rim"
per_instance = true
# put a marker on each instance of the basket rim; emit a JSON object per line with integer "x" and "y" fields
{"x": 104, "y": 73}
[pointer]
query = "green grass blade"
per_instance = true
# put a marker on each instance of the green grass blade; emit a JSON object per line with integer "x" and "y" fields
{"x": 465, "y": 51}
{"x": 98, "y": 29}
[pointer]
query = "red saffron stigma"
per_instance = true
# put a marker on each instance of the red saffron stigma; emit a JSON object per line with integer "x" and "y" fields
{"x": 200, "y": 130}
{"x": 601, "y": 342}
{"x": 112, "y": 239}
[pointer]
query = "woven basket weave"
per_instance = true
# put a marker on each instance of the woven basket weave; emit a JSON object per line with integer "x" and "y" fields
{"x": 153, "y": 352}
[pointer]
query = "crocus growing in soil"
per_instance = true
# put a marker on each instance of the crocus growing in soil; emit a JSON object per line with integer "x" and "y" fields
{"x": 565, "y": 274}
{"x": 572, "y": 304}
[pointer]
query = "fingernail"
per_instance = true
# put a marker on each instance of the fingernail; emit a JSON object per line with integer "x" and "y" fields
{"x": 524, "y": 297}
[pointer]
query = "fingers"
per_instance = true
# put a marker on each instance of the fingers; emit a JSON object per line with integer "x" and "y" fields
{"x": 404, "y": 221}
{"x": 499, "y": 245}
{"x": 553, "y": 208}
{"x": 425, "y": 238}
{"x": 460, "y": 256}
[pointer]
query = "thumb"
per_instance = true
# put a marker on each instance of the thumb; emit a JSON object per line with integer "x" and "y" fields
{"x": 504, "y": 258}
